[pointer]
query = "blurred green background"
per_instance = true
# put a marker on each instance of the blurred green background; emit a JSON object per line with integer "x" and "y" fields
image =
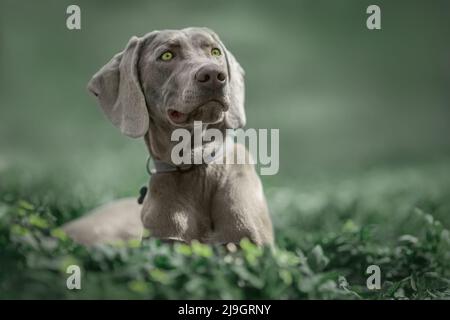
{"x": 364, "y": 126}
{"x": 344, "y": 98}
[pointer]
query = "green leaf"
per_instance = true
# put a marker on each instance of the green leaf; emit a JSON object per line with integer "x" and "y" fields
{"x": 201, "y": 250}
{"x": 183, "y": 249}
{"x": 37, "y": 221}
{"x": 59, "y": 234}
{"x": 25, "y": 205}
{"x": 138, "y": 286}
{"x": 317, "y": 259}
{"x": 159, "y": 276}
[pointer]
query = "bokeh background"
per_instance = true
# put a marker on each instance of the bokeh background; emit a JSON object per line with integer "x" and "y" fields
{"x": 344, "y": 97}
{"x": 364, "y": 116}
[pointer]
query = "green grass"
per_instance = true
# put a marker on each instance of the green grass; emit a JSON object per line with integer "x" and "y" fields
{"x": 328, "y": 232}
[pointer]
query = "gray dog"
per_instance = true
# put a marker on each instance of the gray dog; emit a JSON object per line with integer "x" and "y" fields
{"x": 163, "y": 81}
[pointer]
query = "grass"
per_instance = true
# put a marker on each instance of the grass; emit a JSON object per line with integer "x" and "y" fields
{"x": 328, "y": 232}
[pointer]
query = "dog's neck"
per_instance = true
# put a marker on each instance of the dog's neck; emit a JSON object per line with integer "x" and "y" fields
{"x": 160, "y": 145}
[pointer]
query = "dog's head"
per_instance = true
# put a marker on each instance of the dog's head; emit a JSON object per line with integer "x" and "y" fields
{"x": 174, "y": 77}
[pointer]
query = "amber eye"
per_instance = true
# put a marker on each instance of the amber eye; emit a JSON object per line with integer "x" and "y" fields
{"x": 166, "y": 56}
{"x": 216, "y": 52}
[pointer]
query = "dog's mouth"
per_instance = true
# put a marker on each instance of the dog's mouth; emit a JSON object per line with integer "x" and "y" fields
{"x": 177, "y": 116}
{"x": 209, "y": 112}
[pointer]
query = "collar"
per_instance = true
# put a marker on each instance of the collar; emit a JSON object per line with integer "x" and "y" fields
{"x": 166, "y": 167}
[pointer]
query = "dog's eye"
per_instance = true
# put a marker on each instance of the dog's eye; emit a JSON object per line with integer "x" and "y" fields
{"x": 166, "y": 56}
{"x": 216, "y": 52}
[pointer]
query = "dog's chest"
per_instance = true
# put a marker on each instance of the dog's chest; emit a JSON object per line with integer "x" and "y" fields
{"x": 179, "y": 205}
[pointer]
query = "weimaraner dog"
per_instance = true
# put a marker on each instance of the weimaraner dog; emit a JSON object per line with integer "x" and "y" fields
{"x": 163, "y": 81}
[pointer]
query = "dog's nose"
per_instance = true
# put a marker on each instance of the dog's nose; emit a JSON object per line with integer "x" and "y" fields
{"x": 211, "y": 76}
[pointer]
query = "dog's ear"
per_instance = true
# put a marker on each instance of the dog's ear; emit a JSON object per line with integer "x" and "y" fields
{"x": 117, "y": 88}
{"x": 235, "y": 117}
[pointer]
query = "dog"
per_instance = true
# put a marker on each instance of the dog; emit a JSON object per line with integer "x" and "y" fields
{"x": 160, "y": 82}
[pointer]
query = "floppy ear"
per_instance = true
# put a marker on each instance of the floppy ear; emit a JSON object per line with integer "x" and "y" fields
{"x": 235, "y": 116}
{"x": 119, "y": 92}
